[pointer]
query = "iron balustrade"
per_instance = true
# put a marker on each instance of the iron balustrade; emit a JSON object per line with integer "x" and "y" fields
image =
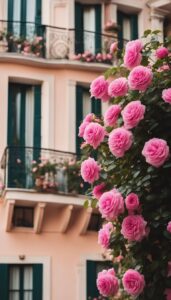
{"x": 41, "y": 169}
{"x": 53, "y": 42}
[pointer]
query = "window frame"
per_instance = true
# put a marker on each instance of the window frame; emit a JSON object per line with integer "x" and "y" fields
{"x": 24, "y": 208}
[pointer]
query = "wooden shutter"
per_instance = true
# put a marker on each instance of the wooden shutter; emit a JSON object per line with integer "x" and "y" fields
{"x": 10, "y": 16}
{"x": 134, "y": 26}
{"x": 39, "y": 29}
{"x": 79, "y": 44}
{"x": 37, "y": 281}
{"x": 120, "y": 17}
{"x": 79, "y": 115}
{"x": 96, "y": 106}
{"x": 37, "y": 121}
{"x": 4, "y": 281}
{"x": 91, "y": 279}
{"x": 98, "y": 26}
{"x": 23, "y": 18}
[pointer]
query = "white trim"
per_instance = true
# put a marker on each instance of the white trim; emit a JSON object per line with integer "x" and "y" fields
{"x": 45, "y": 260}
{"x": 82, "y": 274}
{"x": 71, "y": 115}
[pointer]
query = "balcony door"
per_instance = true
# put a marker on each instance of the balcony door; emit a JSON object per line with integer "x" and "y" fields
{"x": 128, "y": 27}
{"x": 24, "y": 132}
{"x": 24, "y": 18}
{"x": 87, "y": 28}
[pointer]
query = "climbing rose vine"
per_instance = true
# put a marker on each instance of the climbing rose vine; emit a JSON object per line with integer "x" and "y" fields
{"x": 127, "y": 163}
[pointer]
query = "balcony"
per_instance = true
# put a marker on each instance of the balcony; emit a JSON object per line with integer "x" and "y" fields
{"x": 44, "y": 180}
{"x": 41, "y": 170}
{"x": 54, "y": 43}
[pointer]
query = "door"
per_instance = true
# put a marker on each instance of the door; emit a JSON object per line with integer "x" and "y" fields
{"x": 128, "y": 27}
{"x": 24, "y": 18}
{"x": 87, "y": 28}
{"x": 24, "y": 132}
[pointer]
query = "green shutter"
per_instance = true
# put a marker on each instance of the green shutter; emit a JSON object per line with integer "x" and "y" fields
{"x": 98, "y": 26}
{"x": 10, "y": 16}
{"x": 79, "y": 44}
{"x": 120, "y": 17}
{"x": 10, "y": 113}
{"x": 91, "y": 279}
{"x": 4, "y": 281}
{"x": 23, "y": 18}
{"x": 96, "y": 106}
{"x": 134, "y": 27}
{"x": 79, "y": 115}
{"x": 39, "y": 29}
{"x": 37, "y": 121}
{"x": 37, "y": 281}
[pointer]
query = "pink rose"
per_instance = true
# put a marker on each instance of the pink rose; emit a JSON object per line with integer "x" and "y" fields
{"x": 135, "y": 43}
{"x": 82, "y": 128}
{"x": 90, "y": 170}
{"x": 113, "y": 47}
{"x": 168, "y": 294}
{"x": 89, "y": 118}
{"x": 120, "y": 140}
{"x": 169, "y": 227}
{"x": 166, "y": 95}
{"x": 133, "y": 282}
{"x": 156, "y": 152}
{"x": 107, "y": 283}
{"x": 94, "y": 134}
{"x": 132, "y": 114}
{"x": 112, "y": 114}
{"x": 140, "y": 78}
{"x": 111, "y": 204}
{"x": 134, "y": 228}
{"x": 118, "y": 87}
{"x": 132, "y": 202}
{"x": 162, "y": 52}
{"x": 169, "y": 269}
{"x": 106, "y": 97}
{"x": 99, "y": 87}
{"x": 104, "y": 235}
{"x": 98, "y": 190}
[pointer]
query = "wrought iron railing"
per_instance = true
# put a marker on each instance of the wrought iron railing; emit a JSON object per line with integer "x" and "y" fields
{"x": 52, "y": 42}
{"x": 41, "y": 169}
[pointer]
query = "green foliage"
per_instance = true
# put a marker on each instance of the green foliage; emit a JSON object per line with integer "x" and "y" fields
{"x": 153, "y": 185}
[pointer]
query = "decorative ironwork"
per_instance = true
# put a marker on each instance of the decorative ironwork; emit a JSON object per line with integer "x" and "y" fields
{"x": 31, "y": 39}
{"x": 42, "y": 169}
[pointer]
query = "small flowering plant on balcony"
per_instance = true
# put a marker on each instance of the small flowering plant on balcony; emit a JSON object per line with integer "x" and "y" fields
{"x": 87, "y": 56}
{"x": 130, "y": 173}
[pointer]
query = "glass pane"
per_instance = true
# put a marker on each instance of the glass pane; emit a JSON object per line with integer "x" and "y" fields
{"x": 86, "y": 103}
{"x": 30, "y": 17}
{"x": 14, "y": 278}
{"x": 14, "y": 296}
{"x": 126, "y": 29}
{"x": 16, "y": 17}
{"x": 23, "y": 217}
{"x": 28, "y": 295}
{"x": 28, "y": 278}
{"x": 18, "y": 113}
{"x": 89, "y": 25}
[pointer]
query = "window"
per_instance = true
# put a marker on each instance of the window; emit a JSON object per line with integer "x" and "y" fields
{"x": 95, "y": 222}
{"x": 128, "y": 27}
{"x": 23, "y": 217}
{"x": 92, "y": 270}
{"x": 87, "y": 28}
{"x": 24, "y": 19}
{"x": 84, "y": 105}
{"x": 21, "y": 282}
{"x": 24, "y": 130}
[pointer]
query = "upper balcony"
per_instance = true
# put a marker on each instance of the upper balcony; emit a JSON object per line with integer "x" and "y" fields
{"x": 48, "y": 43}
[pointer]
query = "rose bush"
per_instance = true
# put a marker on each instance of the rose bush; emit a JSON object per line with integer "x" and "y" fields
{"x": 130, "y": 177}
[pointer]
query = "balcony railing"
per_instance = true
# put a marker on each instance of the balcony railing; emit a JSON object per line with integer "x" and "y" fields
{"x": 43, "y": 170}
{"x": 51, "y": 42}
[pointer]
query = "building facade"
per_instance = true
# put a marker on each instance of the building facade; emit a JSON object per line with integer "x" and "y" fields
{"x": 50, "y": 51}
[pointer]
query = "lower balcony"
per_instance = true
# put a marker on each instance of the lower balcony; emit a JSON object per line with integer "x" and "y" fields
{"x": 42, "y": 170}
{"x": 38, "y": 183}
{"x": 42, "y": 41}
